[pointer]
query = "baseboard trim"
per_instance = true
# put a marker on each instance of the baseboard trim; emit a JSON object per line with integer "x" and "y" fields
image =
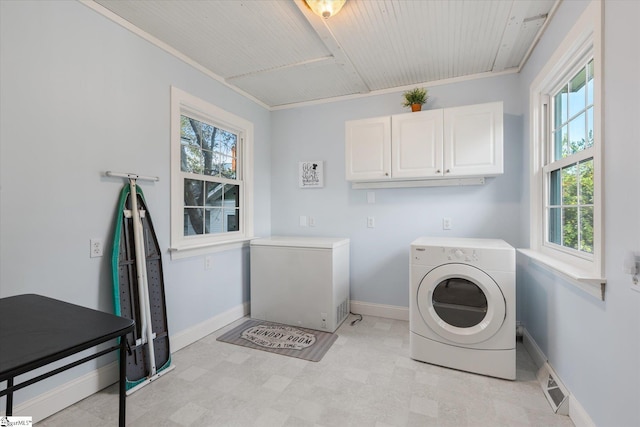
{"x": 67, "y": 394}
{"x": 55, "y": 400}
{"x": 539, "y": 358}
{"x": 380, "y": 310}
{"x": 201, "y": 330}
{"x": 577, "y": 413}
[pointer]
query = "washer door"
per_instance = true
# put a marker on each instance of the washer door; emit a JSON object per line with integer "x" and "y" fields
{"x": 461, "y": 303}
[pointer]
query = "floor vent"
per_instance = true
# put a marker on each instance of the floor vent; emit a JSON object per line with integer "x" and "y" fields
{"x": 342, "y": 311}
{"x": 555, "y": 392}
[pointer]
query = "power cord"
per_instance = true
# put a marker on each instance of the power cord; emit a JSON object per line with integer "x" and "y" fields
{"x": 356, "y": 320}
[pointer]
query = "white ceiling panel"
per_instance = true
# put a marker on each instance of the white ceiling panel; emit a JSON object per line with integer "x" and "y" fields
{"x": 279, "y": 52}
{"x": 288, "y": 86}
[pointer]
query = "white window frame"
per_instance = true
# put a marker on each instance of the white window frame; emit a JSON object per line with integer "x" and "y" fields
{"x": 583, "y": 42}
{"x": 183, "y": 103}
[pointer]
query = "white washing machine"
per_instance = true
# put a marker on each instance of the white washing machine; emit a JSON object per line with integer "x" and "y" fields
{"x": 463, "y": 305}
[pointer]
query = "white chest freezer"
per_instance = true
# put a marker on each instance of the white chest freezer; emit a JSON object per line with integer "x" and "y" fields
{"x": 300, "y": 281}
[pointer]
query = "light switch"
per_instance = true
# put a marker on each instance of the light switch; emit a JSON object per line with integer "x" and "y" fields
{"x": 371, "y": 197}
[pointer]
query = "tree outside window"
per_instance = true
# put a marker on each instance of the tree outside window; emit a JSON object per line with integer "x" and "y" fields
{"x": 212, "y": 194}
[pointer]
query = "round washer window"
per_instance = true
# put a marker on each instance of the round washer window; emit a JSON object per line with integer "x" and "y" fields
{"x": 459, "y": 302}
{"x": 481, "y": 293}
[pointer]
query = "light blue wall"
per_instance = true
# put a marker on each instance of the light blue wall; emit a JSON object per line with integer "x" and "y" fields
{"x": 380, "y": 255}
{"x": 82, "y": 95}
{"x": 594, "y": 346}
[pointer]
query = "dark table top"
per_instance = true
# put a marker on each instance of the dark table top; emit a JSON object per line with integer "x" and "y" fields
{"x": 37, "y": 330}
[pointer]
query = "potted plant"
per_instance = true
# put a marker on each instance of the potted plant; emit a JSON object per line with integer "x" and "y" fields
{"x": 414, "y": 98}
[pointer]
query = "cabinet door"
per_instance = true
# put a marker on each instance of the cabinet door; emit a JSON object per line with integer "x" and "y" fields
{"x": 368, "y": 149}
{"x": 473, "y": 140}
{"x": 416, "y": 144}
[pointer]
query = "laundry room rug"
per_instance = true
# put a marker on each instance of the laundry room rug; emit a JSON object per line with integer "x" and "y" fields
{"x": 307, "y": 344}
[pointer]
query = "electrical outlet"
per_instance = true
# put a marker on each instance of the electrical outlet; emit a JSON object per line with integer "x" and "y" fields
{"x": 371, "y": 222}
{"x": 447, "y": 223}
{"x": 208, "y": 262}
{"x": 303, "y": 221}
{"x": 96, "y": 248}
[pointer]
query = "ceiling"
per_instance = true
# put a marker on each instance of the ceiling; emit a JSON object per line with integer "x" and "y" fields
{"x": 280, "y": 53}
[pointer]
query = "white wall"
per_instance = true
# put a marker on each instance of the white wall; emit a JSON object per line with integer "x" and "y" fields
{"x": 81, "y": 95}
{"x": 594, "y": 346}
{"x": 380, "y": 256}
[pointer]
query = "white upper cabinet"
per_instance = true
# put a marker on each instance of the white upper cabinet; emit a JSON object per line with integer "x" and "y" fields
{"x": 473, "y": 140}
{"x": 445, "y": 143}
{"x": 368, "y": 149}
{"x": 416, "y": 144}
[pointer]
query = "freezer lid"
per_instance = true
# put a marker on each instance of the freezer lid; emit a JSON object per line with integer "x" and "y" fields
{"x": 301, "y": 242}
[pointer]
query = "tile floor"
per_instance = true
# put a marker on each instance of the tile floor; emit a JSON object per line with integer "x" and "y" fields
{"x": 365, "y": 379}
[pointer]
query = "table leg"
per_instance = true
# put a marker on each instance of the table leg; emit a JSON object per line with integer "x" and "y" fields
{"x": 9, "y": 408}
{"x": 123, "y": 381}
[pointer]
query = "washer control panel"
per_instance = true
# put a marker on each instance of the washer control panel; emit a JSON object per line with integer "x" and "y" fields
{"x": 485, "y": 254}
{"x": 431, "y": 255}
{"x": 466, "y": 255}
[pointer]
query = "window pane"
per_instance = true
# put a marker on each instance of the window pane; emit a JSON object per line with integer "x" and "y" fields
{"x": 214, "y": 221}
{"x": 226, "y": 142}
{"x": 560, "y": 108}
{"x": 585, "y": 196}
{"x": 590, "y": 83}
{"x": 208, "y": 136}
{"x": 586, "y": 229}
{"x": 228, "y": 167}
{"x": 193, "y": 223}
{"x": 231, "y": 196}
{"x": 207, "y": 150}
{"x": 555, "y": 189}
{"x": 570, "y": 227}
{"x": 555, "y": 225}
{"x": 214, "y": 194}
{"x": 589, "y": 142}
{"x": 577, "y": 137}
{"x": 577, "y": 93}
{"x": 560, "y": 143}
{"x": 193, "y": 192}
{"x": 191, "y": 159}
{"x": 187, "y": 133}
{"x": 212, "y": 163}
{"x": 231, "y": 219}
{"x": 569, "y": 186}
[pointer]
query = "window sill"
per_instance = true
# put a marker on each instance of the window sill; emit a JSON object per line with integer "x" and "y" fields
{"x": 594, "y": 286}
{"x": 181, "y": 252}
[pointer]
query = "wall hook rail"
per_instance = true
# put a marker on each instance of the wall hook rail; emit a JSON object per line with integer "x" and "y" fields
{"x": 132, "y": 176}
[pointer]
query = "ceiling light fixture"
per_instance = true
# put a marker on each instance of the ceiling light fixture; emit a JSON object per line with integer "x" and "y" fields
{"x": 325, "y": 8}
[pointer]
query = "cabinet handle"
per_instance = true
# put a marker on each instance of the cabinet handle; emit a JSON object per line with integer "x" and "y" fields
{"x": 386, "y": 174}
{"x": 438, "y": 171}
{"x": 447, "y": 171}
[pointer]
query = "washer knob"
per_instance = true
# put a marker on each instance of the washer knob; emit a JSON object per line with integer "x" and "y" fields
{"x": 458, "y": 253}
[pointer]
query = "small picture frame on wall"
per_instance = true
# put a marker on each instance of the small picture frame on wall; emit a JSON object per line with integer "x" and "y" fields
{"x": 311, "y": 174}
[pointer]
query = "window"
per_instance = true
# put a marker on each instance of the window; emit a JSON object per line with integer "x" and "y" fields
{"x": 566, "y": 146}
{"x": 211, "y": 187}
{"x": 569, "y": 165}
